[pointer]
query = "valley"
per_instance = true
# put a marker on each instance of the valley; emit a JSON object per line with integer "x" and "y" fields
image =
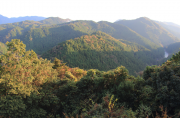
{"x": 137, "y": 36}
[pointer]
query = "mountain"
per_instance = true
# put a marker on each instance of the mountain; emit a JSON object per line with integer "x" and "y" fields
{"x": 123, "y": 32}
{"x": 42, "y": 36}
{"x": 101, "y": 51}
{"x": 115, "y": 30}
{"x": 5, "y": 20}
{"x": 171, "y": 27}
{"x": 54, "y": 20}
{"x": 150, "y": 30}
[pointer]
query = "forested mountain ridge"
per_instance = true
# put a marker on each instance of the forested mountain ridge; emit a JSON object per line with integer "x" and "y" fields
{"x": 42, "y": 37}
{"x": 115, "y": 30}
{"x": 150, "y": 30}
{"x": 26, "y": 29}
{"x": 101, "y": 51}
{"x": 16, "y": 30}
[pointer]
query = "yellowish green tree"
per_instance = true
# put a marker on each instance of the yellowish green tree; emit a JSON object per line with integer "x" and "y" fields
{"x": 21, "y": 71}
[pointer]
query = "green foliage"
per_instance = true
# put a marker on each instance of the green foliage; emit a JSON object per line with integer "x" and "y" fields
{"x": 21, "y": 70}
{"x": 143, "y": 111}
{"x": 12, "y": 106}
{"x": 33, "y": 87}
{"x": 165, "y": 81}
{"x": 107, "y": 109}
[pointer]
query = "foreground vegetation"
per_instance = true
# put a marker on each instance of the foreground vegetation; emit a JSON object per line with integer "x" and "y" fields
{"x": 35, "y": 87}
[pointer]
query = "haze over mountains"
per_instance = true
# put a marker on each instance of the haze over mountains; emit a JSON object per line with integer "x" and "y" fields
{"x": 131, "y": 43}
{"x": 150, "y": 30}
{"x": 4, "y": 20}
{"x": 171, "y": 27}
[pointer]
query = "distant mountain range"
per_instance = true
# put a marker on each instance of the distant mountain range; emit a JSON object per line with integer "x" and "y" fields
{"x": 54, "y": 20}
{"x": 5, "y": 20}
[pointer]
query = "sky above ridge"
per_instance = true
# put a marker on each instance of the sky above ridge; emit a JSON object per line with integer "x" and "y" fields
{"x": 96, "y": 10}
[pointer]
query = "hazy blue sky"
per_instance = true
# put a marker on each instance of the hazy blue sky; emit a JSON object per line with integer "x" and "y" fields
{"x": 96, "y": 10}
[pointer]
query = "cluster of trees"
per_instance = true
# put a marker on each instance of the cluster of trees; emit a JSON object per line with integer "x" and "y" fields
{"x": 35, "y": 87}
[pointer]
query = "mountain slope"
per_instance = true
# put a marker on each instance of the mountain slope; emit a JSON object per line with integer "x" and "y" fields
{"x": 115, "y": 30}
{"x": 171, "y": 27}
{"x": 123, "y": 32}
{"x": 150, "y": 30}
{"x": 103, "y": 52}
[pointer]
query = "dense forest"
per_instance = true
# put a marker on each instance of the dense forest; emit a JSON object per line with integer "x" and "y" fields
{"x": 35, "y": 87}
{"x": 58, "y": 68}
{"x": 101, "y": 51}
